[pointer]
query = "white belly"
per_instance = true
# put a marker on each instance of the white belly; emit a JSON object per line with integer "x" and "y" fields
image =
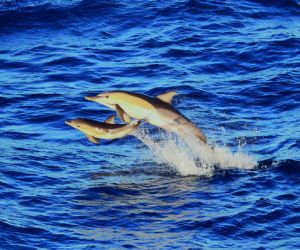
{"x": 156, "y": 120}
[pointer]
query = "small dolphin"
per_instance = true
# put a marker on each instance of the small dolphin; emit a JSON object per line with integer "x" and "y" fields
{"x": 94, "y": 130}
{"x": 157, "y": 111}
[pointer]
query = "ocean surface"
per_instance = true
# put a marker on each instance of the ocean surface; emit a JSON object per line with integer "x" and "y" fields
{"x": 236, "y": 68}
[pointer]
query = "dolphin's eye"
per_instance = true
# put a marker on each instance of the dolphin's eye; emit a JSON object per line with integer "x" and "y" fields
{"x": 107, "y": 96}
{"x": 78, "y": 126}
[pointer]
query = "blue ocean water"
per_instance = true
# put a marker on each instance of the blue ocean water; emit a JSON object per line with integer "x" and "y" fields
{"x": 235, "y": 65}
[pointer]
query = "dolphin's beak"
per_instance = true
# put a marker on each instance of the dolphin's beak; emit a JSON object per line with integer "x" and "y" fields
{"x": 68, "y": 122}
{"x": 93, "y": 98}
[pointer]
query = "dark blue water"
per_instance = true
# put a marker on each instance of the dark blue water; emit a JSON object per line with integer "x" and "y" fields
{"x": 235, "y": 65}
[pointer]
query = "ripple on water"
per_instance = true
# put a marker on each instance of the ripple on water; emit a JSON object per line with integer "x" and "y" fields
{"x": 234, "y": 66}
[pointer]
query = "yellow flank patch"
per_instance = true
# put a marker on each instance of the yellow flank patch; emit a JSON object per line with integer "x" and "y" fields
{"x": 134, "y": 100}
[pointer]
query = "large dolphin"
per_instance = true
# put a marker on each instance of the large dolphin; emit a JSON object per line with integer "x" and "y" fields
{"x": 94, "y": 130}
{"x": 157, "y": 111}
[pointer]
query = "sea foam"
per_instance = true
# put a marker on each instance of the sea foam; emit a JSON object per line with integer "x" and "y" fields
{"x": 189, "y": 157}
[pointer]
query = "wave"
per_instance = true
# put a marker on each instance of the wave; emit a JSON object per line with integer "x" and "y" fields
{"x": 15, "y": 15}
{"x": 26, "y": 14}
{"x": 280, "y": 3}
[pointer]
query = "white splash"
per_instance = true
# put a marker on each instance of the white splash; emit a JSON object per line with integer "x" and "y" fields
{"x": 190, "y": 157}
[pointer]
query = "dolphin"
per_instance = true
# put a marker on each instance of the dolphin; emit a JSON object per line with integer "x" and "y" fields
{"x": 94, "y": 130}
{"x": 157, "y": 111}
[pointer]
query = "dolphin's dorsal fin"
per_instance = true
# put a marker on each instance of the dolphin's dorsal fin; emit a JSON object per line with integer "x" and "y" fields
{"x": 167, "y": 97}
{"x": 110, "y": 119}
{"x": 92, "y": 139}
{"x": 123, "y": 116}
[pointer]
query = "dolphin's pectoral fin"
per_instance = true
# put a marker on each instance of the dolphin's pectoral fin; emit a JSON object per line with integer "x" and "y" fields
{"x": 127, "y": 118}
{"x": 167, "y": 97}
{"x": 120, "y": 112}
{"x": 123, "y": 116}
{"x": 110, "y": 119}
{"x": 92, "y": 139}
